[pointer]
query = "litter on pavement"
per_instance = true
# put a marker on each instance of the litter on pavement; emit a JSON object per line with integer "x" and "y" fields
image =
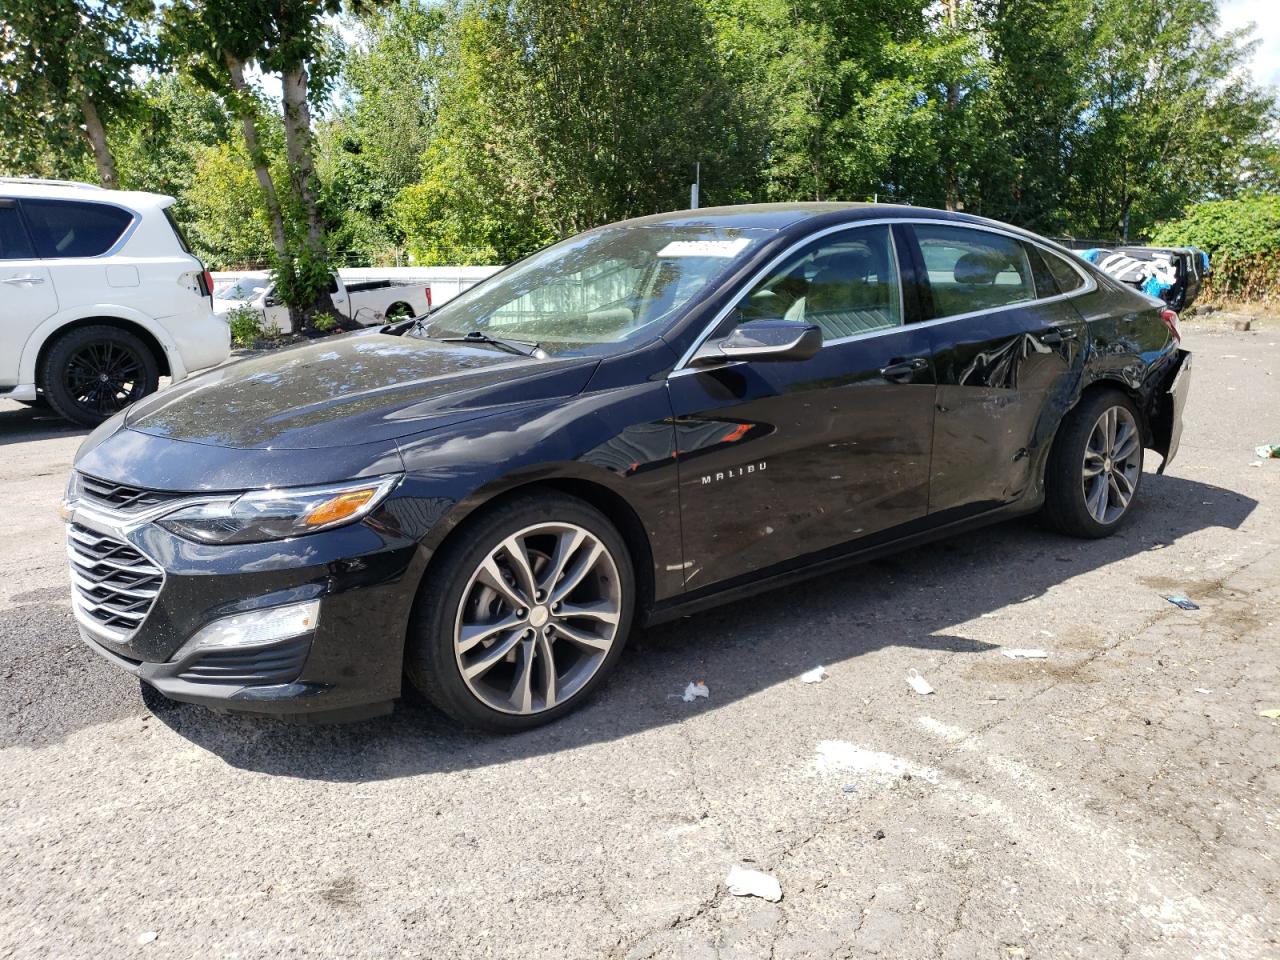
{"x": 816, "y": 675}
{"x": 1181, "y": 602}
{"x": 1203, "y": 690}
{"x": 695, "y": 690}
{"x": 1270, "y": 714}
{"x": 752, "y": 883}
{"x": 1268, "y": 451}
{"x": 1026, "y": 654}
{"x": 918, "y": 683}
{"x": 145, "y": 938}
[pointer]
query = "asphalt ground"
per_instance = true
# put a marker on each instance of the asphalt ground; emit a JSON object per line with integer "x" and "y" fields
{"x": 1120, "y": 798}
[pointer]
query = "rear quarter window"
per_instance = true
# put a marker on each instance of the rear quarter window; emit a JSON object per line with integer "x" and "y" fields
{"x": 70, "y": 228}
{"x": 1066, "y": 276}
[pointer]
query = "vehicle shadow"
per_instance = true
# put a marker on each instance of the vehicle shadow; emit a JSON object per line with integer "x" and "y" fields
{"x": 911, "y": 600}
{"x": 22, "y": 424}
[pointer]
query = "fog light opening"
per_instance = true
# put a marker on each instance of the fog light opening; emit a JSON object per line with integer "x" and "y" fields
{"x": 258, "y": 628}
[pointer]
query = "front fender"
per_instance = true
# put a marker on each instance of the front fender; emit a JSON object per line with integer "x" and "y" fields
{"x": 109, "y": 311}
{"x": 620, "y": 440}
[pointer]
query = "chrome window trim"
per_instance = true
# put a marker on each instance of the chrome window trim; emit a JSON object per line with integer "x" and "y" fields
{"x": 134, "y": 222}
{"x": 682, "y": 366}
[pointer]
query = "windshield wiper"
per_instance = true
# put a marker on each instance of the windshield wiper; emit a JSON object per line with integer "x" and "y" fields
{"x": 522, "y": 347}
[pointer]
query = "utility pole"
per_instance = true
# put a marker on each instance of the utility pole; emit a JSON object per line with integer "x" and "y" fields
{"x": 695, "y": 186}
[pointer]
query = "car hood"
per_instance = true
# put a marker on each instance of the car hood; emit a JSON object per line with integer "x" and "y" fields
{"x": 354, "y": 389}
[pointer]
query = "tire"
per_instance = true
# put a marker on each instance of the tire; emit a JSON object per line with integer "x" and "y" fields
{"x": 1093, "y": 506}
{"x": 457, "y": 598}
{"x": 91, "y": 373}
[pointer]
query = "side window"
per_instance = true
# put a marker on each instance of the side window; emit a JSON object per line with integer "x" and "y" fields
{"x": 333, "y": 283}
{"x": 846, "y": 284}
{"x": 69, "y": 228}
{"x": 14, "y": 243}
{"x": 972, "y": 270}
{"x": 1065, "y": 276}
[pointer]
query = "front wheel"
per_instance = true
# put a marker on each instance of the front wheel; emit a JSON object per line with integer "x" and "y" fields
{"x": 91, "y": 373}
{"x": 523, "y": 614}
{"x": 1095, "y": 467}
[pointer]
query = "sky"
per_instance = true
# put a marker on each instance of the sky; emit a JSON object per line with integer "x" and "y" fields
{"x": 1265, "y": 14}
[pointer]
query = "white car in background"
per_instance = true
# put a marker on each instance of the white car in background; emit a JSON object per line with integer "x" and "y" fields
{"x": 366, "y": 302}
{"x": 99, "y": 298}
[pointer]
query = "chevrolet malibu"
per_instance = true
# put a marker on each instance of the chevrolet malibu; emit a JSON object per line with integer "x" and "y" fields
{"x": 637, "y": 422}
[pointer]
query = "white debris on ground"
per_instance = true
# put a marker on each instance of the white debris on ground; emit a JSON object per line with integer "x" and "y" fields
{"x": 743, "y": 882}
{"x": 1025, "y": 654}
{"x": 695, "y": 690}
{"x": 816, "y": 675}
{"x": 842, "y": 757}
{"x": 918, "y": 683}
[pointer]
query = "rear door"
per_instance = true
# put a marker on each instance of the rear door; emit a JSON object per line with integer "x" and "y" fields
{"x": 780, "y": 460}
{"x": 27, "y": 296}
{"x": 1006, "y": 348}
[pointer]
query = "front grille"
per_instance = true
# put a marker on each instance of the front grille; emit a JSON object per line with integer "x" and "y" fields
{"x": 121, "y": 496}
{"x": 112, "y": 583}
{"x": 278, "y": 663}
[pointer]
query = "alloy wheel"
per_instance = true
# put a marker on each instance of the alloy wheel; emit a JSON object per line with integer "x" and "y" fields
{"x": 1112, "y": 463}
{"x": 103, "y": 377}
{"x": 538, "y": 618}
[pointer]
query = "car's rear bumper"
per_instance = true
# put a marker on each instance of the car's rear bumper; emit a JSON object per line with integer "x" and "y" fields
{"x": 1167, "y": 422}
{"x": 201, "y": 339}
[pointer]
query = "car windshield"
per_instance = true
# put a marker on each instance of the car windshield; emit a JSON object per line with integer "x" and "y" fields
{"x": 246, "y": 288}
{"x": 599, "y": 292}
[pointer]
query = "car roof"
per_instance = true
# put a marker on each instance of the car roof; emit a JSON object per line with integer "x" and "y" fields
{"x": 780, "y": 216}
{"x": 70, "y": 190}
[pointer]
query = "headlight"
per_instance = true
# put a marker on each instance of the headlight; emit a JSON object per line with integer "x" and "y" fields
{"x": 278, "y": 514}
{"x": 69, "y": 496}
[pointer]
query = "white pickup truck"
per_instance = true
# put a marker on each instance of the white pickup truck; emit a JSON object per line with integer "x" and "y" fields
{"x": 366, "y": 302}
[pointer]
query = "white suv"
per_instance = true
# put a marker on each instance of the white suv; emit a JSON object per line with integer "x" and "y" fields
{"x": 99, "y": 298}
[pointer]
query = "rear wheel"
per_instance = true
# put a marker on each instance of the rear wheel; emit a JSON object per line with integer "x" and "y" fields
{"x": 91, "y": 373}
{"x": 1095, "y": 468}
{"x": 522, "y": 615}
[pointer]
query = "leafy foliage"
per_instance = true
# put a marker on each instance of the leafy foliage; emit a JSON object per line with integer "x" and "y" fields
{"x": 246, "y": 326}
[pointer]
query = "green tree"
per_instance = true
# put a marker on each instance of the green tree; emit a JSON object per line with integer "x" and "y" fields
{"x": 1169, "y": 117}
{"x": 372, "y": 146}
{"x": 66, "y": 74}
{"x": 556, "y": 117}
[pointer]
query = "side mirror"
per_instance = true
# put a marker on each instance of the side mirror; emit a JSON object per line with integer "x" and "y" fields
{"x": 270, "y": 302}
{"x": 762, "y": 340}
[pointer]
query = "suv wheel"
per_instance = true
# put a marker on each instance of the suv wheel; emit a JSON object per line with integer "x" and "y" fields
{"x": 523, "y": 616}
{"x": 94, "y": 372}
{"x": 1095, "y": 467}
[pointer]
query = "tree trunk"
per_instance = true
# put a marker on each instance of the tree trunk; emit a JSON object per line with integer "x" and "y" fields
{"x": 258, "y": 157}
{"x": 96, "y": 134}
{"x": 298, "y": 145}
{"x": 952, "y": 8}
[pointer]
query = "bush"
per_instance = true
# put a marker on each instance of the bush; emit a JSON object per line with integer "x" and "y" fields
{"x": 246, "y": 326}
{"x": 1243, "y": 240}
{"x": 1227, "y": 228}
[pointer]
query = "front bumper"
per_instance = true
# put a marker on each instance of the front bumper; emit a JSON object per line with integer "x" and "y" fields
{"x": 364, "y": 575}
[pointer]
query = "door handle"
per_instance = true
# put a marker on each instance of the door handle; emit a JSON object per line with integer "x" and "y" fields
{"x": 1052, "y": 336}
{"x": 23, "y": 280}
{"x": 901, "y": 370}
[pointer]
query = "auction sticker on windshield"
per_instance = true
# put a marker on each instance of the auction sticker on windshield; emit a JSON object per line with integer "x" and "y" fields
{"x": 705, "y": 248}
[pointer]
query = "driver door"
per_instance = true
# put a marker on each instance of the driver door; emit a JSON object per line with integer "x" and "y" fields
{"x": 782, "y": 460}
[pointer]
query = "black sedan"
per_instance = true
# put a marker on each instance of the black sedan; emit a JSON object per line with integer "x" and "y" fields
{"x": 634, "y": 423}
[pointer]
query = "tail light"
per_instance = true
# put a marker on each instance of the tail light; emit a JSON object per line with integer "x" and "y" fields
{"x": 427, "y": 291}
{"x": 1170, "y": 320}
